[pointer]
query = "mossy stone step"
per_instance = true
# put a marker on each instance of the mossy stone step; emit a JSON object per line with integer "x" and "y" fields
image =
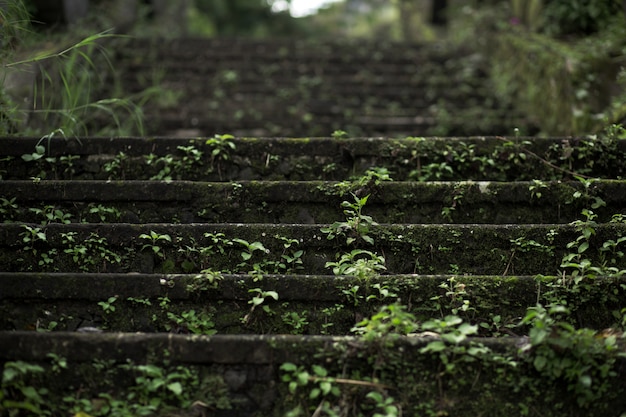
{"x": 244, "y": 375}
{"x": 323, "y": 304}
{"x": 424, "y": 249}
{"x": 425, "y": 159}
{"x": 288, "y": 49}
{"x": 309, "y": 201}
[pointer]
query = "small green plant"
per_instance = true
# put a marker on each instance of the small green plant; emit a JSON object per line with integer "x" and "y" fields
{"x": 296, "y": 321}
{"x": 157, "y": 388}
{"x": 259, "y": 268}
{"x": 140, "y": 301}
{"x": 353, "y": 294}
{"x": 259, "y": 297}
{"x": 205, "y": 281}
{"x": 117, "y": 167}
{"x": 57, "y": 363}
{"x": 51, "y": 214}
{"x": 90, "y": 253}
{"x": 357, "y": 225}
{"x": 373, "y": 177}
{"x": 524, "y": 245}
{"x": 195, "y": 255}
{"x": 576, "y": 262}
{"x": 8, "y": 209}
{"x": 455, "y": 199}
{"x": 220, "y": 146}
{"x": 360, "y": 263}
{"x": 390, "y": 322}
{"x": 154, "y": 240}
{"x": 104, "y": 213}
{"x": 18, "y": 395}
{"x": 535, "y": 188}
{"x": 291, "y": 257}
{"x": 339, "y": 134}
{"x": 40, "y": 152}
{"x": 164, "y": 164}
{"x": 67, "y": 162}
{"x": 31, "y": 236}
{"x": 250, "y": 248}
{"x": 453, "y": 300}
{"x": 328, "y": 313}
{"x": 191, "y": 157}
{"x": 108, "y": 306}
{"x": 586, "y": 196}
{"x": 317, "y": 385}
{"x": 384, "y": 406}
{"x": 297, "y": 377}
{"x": 382, "y": 292}
{"x": 191, "y": 322}
{"x": 449, "y": 346}
{"x": 559, "y": 352}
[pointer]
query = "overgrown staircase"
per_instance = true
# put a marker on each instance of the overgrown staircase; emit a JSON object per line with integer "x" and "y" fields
{"x": 257, "y": 276}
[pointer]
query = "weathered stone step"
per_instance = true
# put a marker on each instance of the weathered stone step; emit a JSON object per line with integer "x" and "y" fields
{"x": 304, "y": 304}
{"x": 423, "y": 249}
{"x": 245, "y": 376}
{"x": 299, "y": 74}
{"x": 307, "y": 201}
{"x": 479, "y": 158}
{"x": 371, "y": 52}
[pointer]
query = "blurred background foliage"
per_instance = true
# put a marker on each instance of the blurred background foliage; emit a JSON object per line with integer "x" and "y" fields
{"x": 562, "y": 62}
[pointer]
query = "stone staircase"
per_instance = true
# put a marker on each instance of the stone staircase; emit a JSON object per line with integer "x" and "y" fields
{"x": 310, "y": 276}
{"x": 308, "y": 88}
{"x": 137, "y": 258}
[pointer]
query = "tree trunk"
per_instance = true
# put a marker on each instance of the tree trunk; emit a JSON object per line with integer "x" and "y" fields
{"x": 438, "y": 12}
{"x": 405, "y": 19}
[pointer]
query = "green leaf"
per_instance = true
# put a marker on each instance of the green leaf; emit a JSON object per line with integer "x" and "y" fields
{"x": 315, "y": 392}
{"x": 320, "y": 371}
{"x": 288, "y": 367}
{"x": 454, "y": 338}
{"x": 435, "y": 346}
{"x": 32, "y": 394}
{"x": 303, "y": 378}
{"x": 368, "y": 239}
{"x": 540, "y": 362}
{"x": 467, "y": 328}
{"x": 326, "y": 386}
{"x": 256, "y": 246}
{"x": 175, "y": 387}
{"x": 8, "y": 375}
{"x": 585, "y": 381}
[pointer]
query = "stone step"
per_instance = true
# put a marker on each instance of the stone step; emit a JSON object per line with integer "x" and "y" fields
{"x": 304, "y": 304}
{"x": 413, "y": 158}
{"x": 424, "y": 249}
{"x": 292, "y": 202}
{"x": 283, "y": 51}
{"x": 252, "y": 375}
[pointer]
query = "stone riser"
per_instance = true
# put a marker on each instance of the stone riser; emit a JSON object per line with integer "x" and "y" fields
{"x": 320, "y": 158}
{"x": 309, "y": 202}
{"x": 424, "y": 249}
{"x": 246, "y": 371}
{"x": 70, "y": 301}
